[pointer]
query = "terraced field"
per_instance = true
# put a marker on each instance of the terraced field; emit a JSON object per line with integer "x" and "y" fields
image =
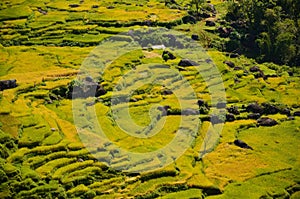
{"x": 104, "y": 144}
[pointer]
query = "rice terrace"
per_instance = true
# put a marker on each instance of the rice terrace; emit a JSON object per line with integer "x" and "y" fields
{"x": 150, "y": 99}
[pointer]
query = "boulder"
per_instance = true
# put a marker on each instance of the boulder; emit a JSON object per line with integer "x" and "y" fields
{"x": 230, "y": 117}
{"x": 167, "y": 92}
{"x": 187, "y": 62}
{"x": 87, "y": 88}
{"x": 168, "y": 55}
{"x": 242, "y": 144}
{"x": 8, "y": 84}
{"x": 42, "y": 11}
{"x": 89, "y": 79}
{"x": 254, "y": 108}
{"x": 212, "y": 8}
{"x": 237, "y": 68}
{"x": 220, "y": 105}
{"x": 200, "y": 102}
{"x": 210, "y": 23}
{"x": 172, "y": 40}
{"x": 297, "y": 113}
{"x": 234, "y": 55}
{"x": 265, "y": 121}
{"x": 189, "y": 111}
{"x": 164, "y": 110}
{"x": 234, "y": 110}
{"x": 170, "y": 2}
{"x": 224, "y": 32}
{"x": 238, "y": 24}
{"x": 189, "y": 19}
{"x": 229, "y": 63}
{"x": 110, "y": 7}
{"x": 216, "y": 119}
{"x": 254, "y": 69}
{"x": 73, "y": 5}
{"x": 211, "y": 190}
{"x": 100, "y": 91}
{"x": 254, "y": 116}
{"x": 205, "y": 14}
{"x": 195, "y": 37}
{"x": 260, "y": 74}
{"x": 208, "y": 61}
{"x": 270, "y": 108}
{"x": 236, "y": 80}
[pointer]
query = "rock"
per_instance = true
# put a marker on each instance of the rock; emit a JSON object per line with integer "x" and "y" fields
{"x": 265, "y": 121}
{"x": 230, "y": 117}
{"x": 208, "y": 61}
{"x": 80, "y": 160}
{"x": 204, "y": 15}
{"x": 234, "y": 110}
{"x": 73, "y": 5}
{"x": 237, "y": 68}
{"x": 53, "y": 129}
{"x": 270, "y": 108}
{"x": 110, "y": 7}
{"x": 224, "y": 32}
{"x": 187, "y": 62}
{"x": 90, "y": 103}
{"x": 89, "y": 79}
{"x": 87, "y": 88}
{"x": 210, "y": 23}
{"x": 200, "y": 102}
{"x": 8, "y": 84}
{"x": 42, "y": 11}
{"x": 190, "y": 111}
{"x": 189, "y": 19}
{"x": 170, "y": 2}
{"x": 254, "y": 108}
{"x": 212, "y": 8}
{"x": 168, "y": 55}
{"x": 172, "y": 40}
{"x": 164, "y": 110}
{"x": 291, "y": 118}
{"x": 229, "y": 63}
{"x": 220, "y": 105}
{"x": 167, "y": 92}
{"x": 234, "y": 55}
{"x": 216, "y": 119}
{"x": 297, "y": 113}
{"x": 254, "y": 69}
{"x": 100, "y": 91}
{"x": 236, "y": 80}
{"x": 195, "y": 37}
{"x": 254, "y": 116}
{"x": 237, "y": 24}
{"x": 210, "y": 191}
{"x": 259, "y": 75}
{"x": 242, "y": 144}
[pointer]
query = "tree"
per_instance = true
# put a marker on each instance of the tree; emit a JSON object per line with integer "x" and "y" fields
{"x": 196, "y": 5}
{"x": 273, "y": 26}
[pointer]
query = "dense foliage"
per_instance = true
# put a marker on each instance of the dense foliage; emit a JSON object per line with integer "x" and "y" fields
{"x": 272, "y": 27}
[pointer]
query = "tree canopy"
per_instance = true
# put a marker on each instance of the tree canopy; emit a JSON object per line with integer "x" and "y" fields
{"x": 272, "y": 25}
